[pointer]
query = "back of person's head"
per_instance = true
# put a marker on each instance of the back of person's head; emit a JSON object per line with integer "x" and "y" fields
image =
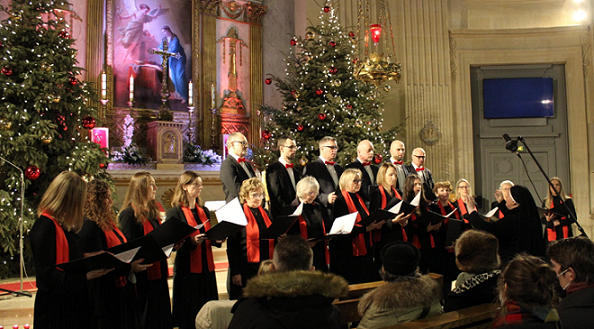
{"x": 98, "y": 206}
{"x": 292, "y": 253}
{"x": 477, "y": 252}
{"x": 64, "y": 199}
{"x": 528, "y": 280}
{"x": 138, "y": 196}
{"x": 576, "y": 253}
{"x": 399, "y": 259}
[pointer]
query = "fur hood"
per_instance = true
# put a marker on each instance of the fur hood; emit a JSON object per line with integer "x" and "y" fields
{"x": 295, "y": 284}
{"x": 421, "y": 291}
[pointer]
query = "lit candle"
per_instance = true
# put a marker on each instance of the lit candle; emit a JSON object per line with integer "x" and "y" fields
{"x": 103, "y": 85}
{"x": 131, "y": 88}
{"x": 212, "y": 96}
{"x": 190, "y": 94}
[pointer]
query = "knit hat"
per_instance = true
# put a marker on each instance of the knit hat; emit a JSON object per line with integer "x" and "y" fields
{"x": 400, "y": 258}
{"x": 477, "y": 252}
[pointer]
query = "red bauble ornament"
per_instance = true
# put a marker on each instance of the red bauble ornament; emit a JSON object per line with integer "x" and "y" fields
{"x": 268, "y": 81}
{"x": 64, "y": 34}
{"x": 16, "y": 326}
{"x": 377, "y": 159}
{"x": 349, "y": 106}
{"x": 332, "y": 70}
{"x": 351, "y": 34}
{"x": 102, "y": 165}
{"x": 322, "y": 116}
{"x": 326, "y": 9}
{"x": 88, "y": 122}
{"x": 355, "y": 60}
{"x": 26, "y": 326}
{"x": 266, "y": 134}
{"x": 293, "y": 42}
{"x": 300, "y": 127}
{"x": 6, "y": 71}
{"x": 73, "y": 81}
{"x": 332, "y": 44}
{"x": 32, "y": 172}
{"x": 319, "y": 92}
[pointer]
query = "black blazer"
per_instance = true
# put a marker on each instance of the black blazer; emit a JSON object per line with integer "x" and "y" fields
{"x": 232, "y": 175}
{"x": 317, "y": 169}
{"x": 280, "y": 188}
{"x": 366, "y": 183}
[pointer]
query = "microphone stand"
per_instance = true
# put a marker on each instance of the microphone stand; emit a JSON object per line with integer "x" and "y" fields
{"x": 21, "y": 292}
{"x": 571, "y": 213}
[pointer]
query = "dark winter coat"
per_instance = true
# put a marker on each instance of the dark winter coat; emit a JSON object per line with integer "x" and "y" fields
{"x": 480, "y": 289}
{"x": 297, "y": 299}
{"x": 576, "y": 310}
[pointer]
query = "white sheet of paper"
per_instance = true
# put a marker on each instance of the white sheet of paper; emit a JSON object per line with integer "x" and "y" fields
{"x": 299, "y": 210}
{"x": 396, "y": 208}
{"x": 344, "y": 224}
{"x": 450, "y": 214}
{"x": 492, "y": 212}
{"x": 417, "y": 200}
{"x": 199, "y": 226}
{"x": 232, "y": 212}
{"x": 168, "y": 250}
{"x": 127, "y": 256}
{"x": 214, "y": 205}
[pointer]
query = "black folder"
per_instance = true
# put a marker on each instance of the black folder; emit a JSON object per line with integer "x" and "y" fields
{"x": 280, "y": 225}
{"x": 150, "y": 249}
{"x": 86, "y": 264}
{"x": 223, "y": 230}
{"x": 562, "y": 211}
{"x": 377, "y": 216}
{"x": 406, "y": 208}
{"x": 435, "y": 218}
{"x": 453, "y": 232}
{"x": 429, "y": 195}
{"x": 171, "y": 232}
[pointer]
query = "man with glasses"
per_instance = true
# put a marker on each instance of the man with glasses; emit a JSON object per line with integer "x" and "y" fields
{"x": 326, "y": 172}
{"x": 416, "y": 166}
{"x": 235, "y": 169}
{"x": 364, "y": 162}
{"x": 282, "y": 177}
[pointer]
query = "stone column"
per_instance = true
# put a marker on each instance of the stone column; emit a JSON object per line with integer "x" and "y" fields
{"x": 255, "y": 13}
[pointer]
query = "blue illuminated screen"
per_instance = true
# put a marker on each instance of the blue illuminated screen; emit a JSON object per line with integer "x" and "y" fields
{"x": 518, "y": 98}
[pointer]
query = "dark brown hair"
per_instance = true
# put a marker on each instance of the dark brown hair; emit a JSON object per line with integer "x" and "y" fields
{"x": 577, "y": 253}
{"x": 292, "y": 253}
{"x": 530, "y": 282}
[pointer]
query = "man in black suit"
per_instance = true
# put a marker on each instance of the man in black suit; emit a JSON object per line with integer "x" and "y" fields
{"x": 235, "y": 169}
{"x": 416, "y": 166}
{"x": 326, "y": 171}
{"x": 281, "y": 177}
{"x": 365, "y": 153}
{"x": 397, "y": 151}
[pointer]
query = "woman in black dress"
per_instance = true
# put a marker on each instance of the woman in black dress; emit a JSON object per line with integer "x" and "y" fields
{"x": 139, "y": 217}
{"x": 245, "y": 250}
{"x": 113, "y": 297}
{"x": 62, "y": 299}
{"x": 194, "y": 281}
{"x": 351, "y": 256}
{"x": 558, "y": 227}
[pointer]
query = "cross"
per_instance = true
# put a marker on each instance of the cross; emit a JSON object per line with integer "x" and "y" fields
{"x": 165, "y": 67}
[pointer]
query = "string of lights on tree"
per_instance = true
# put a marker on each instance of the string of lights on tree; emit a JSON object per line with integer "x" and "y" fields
{"x": 44, "y": 115}
{"x": 322, "y": 97}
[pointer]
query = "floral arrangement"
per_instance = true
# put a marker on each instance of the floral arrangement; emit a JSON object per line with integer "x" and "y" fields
{"x": 130, "y": 152}
{"x": 195, "y": 154}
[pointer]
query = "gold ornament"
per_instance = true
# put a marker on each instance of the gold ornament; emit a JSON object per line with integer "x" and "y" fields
{"x": 372, "y": 97}
{"x": 310, "y": 35}
{"x": 358, "y": 124}
{"x": 5, "y": 124}
{"x": 88, "y": 177}
{"x": 387, "y": 88}
{"x": 337, "y": 83}
{"x": 16, "y": 16}
{"x": 296, "y": 94}
{"x": 56, "y": 99}
{"x": 46, "y": 138}
{"x": 46, "y": 67}
{"x": 303, "y": 161}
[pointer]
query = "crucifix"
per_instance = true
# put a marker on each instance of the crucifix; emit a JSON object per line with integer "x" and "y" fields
{"x": 165, "y": 67}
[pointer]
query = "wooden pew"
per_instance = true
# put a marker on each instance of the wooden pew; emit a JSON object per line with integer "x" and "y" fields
{"x": 478, "y": 317}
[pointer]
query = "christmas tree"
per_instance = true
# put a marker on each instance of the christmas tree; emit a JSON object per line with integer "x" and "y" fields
{"x": 323, "y": 97}
{"x": 44, "y": 115}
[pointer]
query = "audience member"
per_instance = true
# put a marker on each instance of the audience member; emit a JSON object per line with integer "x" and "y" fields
{"x": 235, "y": 169}
{"x": 282, "y": 178}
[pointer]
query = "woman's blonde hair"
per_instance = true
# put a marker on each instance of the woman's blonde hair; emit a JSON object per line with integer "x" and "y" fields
{"x": 381, "y": 175}
{"x": 347, "y": 177}
{"x": 96, "y": 207}
{"x": 64, "y": 199}
{"x": 180, "y": 196}
{"x": 138, "y": 198}
{"x": 562, "y": 195}
{"x": 306, "y": 185}
{"x": 458, "y": 196}
{"x": 248, "y": 186}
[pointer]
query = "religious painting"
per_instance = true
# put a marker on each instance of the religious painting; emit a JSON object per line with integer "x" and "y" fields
{"x": 146, "y": 32}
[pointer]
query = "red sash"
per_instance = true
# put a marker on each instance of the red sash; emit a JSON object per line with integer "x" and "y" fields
{"x": 252, "y": 235}
{"x": 111, "y": 237}
{"x": 153, "y": 272}
{"x": 196, "y": 254}
{"x": 62, "y": 248}
{"x": 552, "y": 232}
{"x": 303, "y": 232}
{"x": 415, "y": 239}
{"x": 462, "y": 207}
{"x": 384, "y": 203}
{"x": 359, "y": 248}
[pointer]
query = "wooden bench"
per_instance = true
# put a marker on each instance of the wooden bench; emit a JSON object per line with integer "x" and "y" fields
{"x": 480, "y": 316}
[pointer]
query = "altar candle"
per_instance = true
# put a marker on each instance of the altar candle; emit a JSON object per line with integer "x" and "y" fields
{"x": 212, "y": 96}
{"x": 131, "y": 88}
{"x": 190, "y": 93}
{"x": 103, "y": 85}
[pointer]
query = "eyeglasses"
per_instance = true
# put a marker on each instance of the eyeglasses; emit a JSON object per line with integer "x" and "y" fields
{"x": 419, "y": 156}
{"x": 464, "y": 187}
{"x": 257, "y": 195}
{"x": 331, "y": 147}
{"x": 560, "y": 274}
{"x": 240, "y": 142}
{"x": 357, "y": 181}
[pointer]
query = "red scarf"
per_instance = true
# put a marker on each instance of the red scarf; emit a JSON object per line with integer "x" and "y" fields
{"x": 196, "y": 254}
{"x": 62, "y": 248}
{"x": 252, "y": 235}
{"x": 359, "y": 248}
{"x": 384, "y": 203}
{"x": 443, "y": 211}
{"x": 462, "y": 207}
{"x": 153, "y": 272}
{"x": 552, "y": 232}
{"x": 303, "y": 231}
{"x": 115, "y": 237}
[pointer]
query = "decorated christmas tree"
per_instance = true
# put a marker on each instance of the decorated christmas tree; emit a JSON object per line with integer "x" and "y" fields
{"x": 323, "y": 97}
{"x": 44, "y": 115}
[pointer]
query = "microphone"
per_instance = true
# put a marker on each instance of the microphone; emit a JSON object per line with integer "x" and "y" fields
{"x": 510, "y": 144}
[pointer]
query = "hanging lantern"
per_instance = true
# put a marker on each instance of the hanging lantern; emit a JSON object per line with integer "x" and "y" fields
{"x": 376, "y": 32}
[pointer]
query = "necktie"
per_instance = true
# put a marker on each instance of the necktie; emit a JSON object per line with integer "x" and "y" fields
{"x": 420, "y": 169}
{"x": 330, "y": 163}
{"x": 365, "y": 164}
{"x": 240, "y": 160}
{"x": 289, "y": 165}
{"x": 398, "y": 163}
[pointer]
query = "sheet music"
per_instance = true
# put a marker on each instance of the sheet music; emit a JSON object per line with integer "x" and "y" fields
{"x": 492, "y": 212}
{"x": 450, "y": 214}
{"x": 168, "y": 250}
{"x": 344, "y": 224}
{"x": 417, "y": 200}
{"x": 232, "y": 212}
{"x": 127, "y": 256}
{"x": 396, "y": 208}
{"x": 299, "y": 210}
{"x": 214, "y": 205}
